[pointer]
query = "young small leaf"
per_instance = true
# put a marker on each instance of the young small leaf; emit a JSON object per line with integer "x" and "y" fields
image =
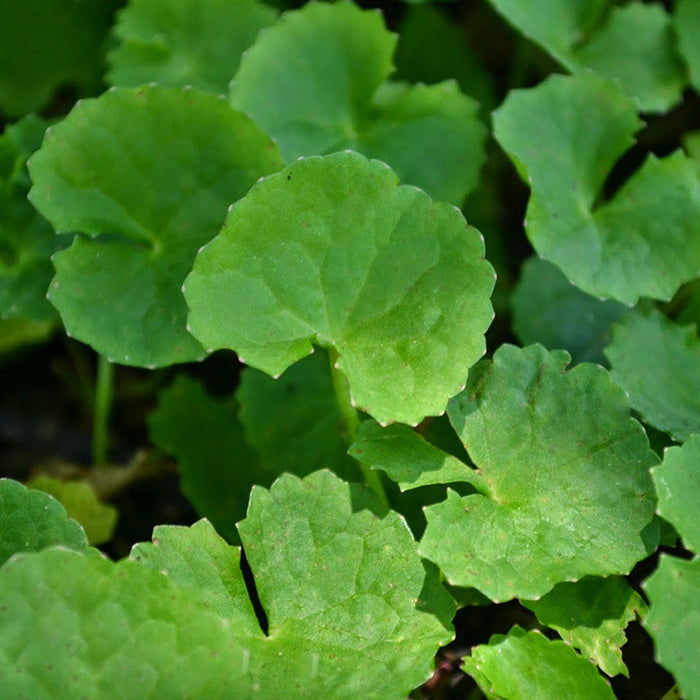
{"x": 656, "y": 362}
{"x": 31, "y": 521}
{"x": 568, "y": 474}
{"x": 147, "y": 175}
{"x": 591, "y": 615}
{"x": 332, "y": 251}
{"x": 179, "y": 42}
{"x": 564, "y": 136}
{"x": 527, "y": 666}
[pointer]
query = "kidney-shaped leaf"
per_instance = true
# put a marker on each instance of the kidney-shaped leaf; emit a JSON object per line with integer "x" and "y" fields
{"x": 656, "y": 362}
{"x": 527, "y": 666}
{"x": 352, "y": 612}
{"x": 31, "y": 521}
{"x": 568, "y": 471}
{"x": 147, "y": 175}
{"x": 332, "y": 251}
{"x": 565, "y": 136}
{"x": 180, "y": 42}
{"x": 315, "y": 81}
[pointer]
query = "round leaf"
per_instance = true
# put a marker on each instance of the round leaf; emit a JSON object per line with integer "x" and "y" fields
{"x": 332, "y": 251}
{"x": 147, "y": 175}
{"x": 568, "y": 472}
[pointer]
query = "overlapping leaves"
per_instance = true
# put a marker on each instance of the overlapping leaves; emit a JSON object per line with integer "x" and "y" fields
{"x": 569, "y": 493}
{"x": 180, "y": 42}
{"x": 316, "y": 82}
{"x": 147, "y": 175}
{"x": 332, "y": 251}
{"x": 564, "y": 136}
{"x": 341, "y": 587}
{"x": 634, "y": 44}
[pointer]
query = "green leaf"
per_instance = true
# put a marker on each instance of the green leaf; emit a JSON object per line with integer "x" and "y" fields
{"x": 332, "y": 251}
{"x": 656, "y": 361}
{"x": 147, "y": 175}
{"x": 337, "y": 57}
{"x": 26, "y": 239}
{"x": 48, "y": 44}
{"x": 548, "y": 309}
{"x": 178, "y": 42}
{"x": 197, "y": 559}
{"x": 527, "y": 666}
{"x": 567, "y": 470}
{"x": 17, "y": 332}
{"x": 674, "y": 620}
{"x": 635, "y": 45}
{"x": 408, "y": 459}
{"x": 294, "y": 423}
{"x": 347, "y": 585}
{"x": 564, "y": 136}
{"x": 591, "y": 615}
{"x": 677, "y": 482}
{"x": 75, "y": 626}
{"x": 81, "y": 503}
{"x": 217, "y": 465}
{"x": 686, "y": 21}
{"x": 31, "y": 521}
{"x": 175, "y": 621}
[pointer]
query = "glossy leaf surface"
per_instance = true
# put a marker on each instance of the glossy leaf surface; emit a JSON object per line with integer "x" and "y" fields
{"x": 567, "y": 470}
{"x": 656, "y": 362}
{"x": 332, "y": 251}
{"x": 147, "y": 175}
{"x": 564, "y": 137}
{"x": 527, "y": 666}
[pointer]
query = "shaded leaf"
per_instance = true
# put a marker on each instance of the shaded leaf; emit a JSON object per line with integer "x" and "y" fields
{"x": 337, "y": 57}
{"x": 656, "y": 362}
{"x": 633, "y": 45}
{"x": 48, "y": 44}
{"x": 31, "y": 521}
{"x": 147, "y": 175}
{"x": 567, "y": 469}
{"x": 81, "y": 503}
{"x": 548, "y": 309}
{"x": 332, "y": 251}
{"x": 565, "y": 136}
{"x": 27, "y": 241}
{"x": 293, "y": 422}
{"x": 217, "y": 465}
{"x": 527, "y": 666}
{"x": 677, "y": 482}
{"x": 674, "y": 620}
{"x": 408, "y": 459}
{"x": 686, "y": 22}
{"x": 181, "y": 42}
{"x": 592, "y": 615}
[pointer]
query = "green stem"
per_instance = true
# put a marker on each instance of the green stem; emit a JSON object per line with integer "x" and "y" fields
{"x": 104, "y": 390}
{"x": 351, "y": 421}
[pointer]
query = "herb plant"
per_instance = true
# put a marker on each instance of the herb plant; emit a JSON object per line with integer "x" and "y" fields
{"x": 414, "y": 320}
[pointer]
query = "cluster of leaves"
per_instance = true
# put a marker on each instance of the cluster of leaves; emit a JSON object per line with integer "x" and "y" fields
{"x": 258, "y": 181}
